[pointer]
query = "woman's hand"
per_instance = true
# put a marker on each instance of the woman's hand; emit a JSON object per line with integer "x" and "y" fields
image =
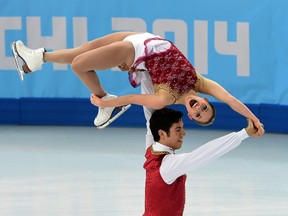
{"x": 260, "y": 128}
{"x": 95, "y": 100}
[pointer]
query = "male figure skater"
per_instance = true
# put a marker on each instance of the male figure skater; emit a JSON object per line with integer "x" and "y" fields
{"x": 166, "y": 171}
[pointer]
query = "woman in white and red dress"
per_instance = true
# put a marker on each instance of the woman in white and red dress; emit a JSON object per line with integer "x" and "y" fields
{"x": 174, "y": 79}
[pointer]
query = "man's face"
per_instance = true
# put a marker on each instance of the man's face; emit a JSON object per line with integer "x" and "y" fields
{"x": 175, "y": 137}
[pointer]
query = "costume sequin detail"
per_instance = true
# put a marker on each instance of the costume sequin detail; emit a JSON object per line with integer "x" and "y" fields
{"x": 170, "y": 70}
{"x": 161, "y": 198}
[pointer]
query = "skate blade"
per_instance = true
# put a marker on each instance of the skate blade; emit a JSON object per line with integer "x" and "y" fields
{"x": 16, "y": 60}
{"x": 123, "y": 109}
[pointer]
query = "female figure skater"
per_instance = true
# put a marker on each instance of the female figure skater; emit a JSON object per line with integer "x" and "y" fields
{"x": 174, "y": 79}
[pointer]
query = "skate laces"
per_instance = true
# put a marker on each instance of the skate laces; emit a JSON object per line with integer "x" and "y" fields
{"x": 26, "y": 49}
{"x": 101, "y": 110}
{"x": 104, "y": 111}
{"x": 31, "y": 51}
{"x": 39, "y": 51}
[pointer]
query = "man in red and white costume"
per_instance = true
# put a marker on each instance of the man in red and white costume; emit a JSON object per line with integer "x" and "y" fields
{"x": 166, "y": 171}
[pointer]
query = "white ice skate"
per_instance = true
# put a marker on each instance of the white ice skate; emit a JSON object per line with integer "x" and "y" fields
{"x": 105, "y": 115}
{"x": 26, "y": 60}
{"x": 117, "y": 115}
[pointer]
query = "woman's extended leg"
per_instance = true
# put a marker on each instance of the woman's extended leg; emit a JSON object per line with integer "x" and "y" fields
{"x": 99, "y": 54}
{"x": 90, "y": 56}
{"x": 102, "y": 53}
{"x": 66, "y": 56}
{"x": 100, "y": 59}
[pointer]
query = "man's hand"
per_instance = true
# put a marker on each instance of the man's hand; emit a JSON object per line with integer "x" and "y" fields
{"x": 250, "y": 129}
{"x": 259, "y": 128}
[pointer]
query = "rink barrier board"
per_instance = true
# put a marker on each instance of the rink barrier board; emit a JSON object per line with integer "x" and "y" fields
{"x": 80, "y": 112}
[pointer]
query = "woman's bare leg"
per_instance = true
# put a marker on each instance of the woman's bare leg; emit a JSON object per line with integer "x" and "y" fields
{"x": 66, "y": 56}
{"x": 100, "y": 59}
{"x": 100, "y": 54}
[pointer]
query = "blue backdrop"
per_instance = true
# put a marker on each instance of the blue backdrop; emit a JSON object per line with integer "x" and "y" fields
{"x": 240, "y": 44}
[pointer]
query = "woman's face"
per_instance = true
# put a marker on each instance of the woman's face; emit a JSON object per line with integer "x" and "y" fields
{"x": 199, "y": 109}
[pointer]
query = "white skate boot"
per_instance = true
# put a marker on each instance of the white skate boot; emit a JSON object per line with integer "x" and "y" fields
{"x": 104, "y": 116}
{"x": 32, "y": 59}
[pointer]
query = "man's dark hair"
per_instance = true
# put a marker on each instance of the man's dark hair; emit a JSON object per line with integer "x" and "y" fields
{"x": 163, "y": 119}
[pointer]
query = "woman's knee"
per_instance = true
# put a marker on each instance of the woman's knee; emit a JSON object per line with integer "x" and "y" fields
{"x": 77, "y": 65}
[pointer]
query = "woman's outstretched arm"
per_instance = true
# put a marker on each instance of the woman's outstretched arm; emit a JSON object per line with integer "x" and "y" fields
{"x": 214, "y": 89}
{"x": 154, "y": 101}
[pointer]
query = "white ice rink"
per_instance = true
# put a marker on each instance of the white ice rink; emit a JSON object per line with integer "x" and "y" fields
{"x": 71, "y": 171}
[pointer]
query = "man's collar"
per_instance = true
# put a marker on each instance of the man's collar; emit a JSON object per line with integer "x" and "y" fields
{"x": 163, "y": 148}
